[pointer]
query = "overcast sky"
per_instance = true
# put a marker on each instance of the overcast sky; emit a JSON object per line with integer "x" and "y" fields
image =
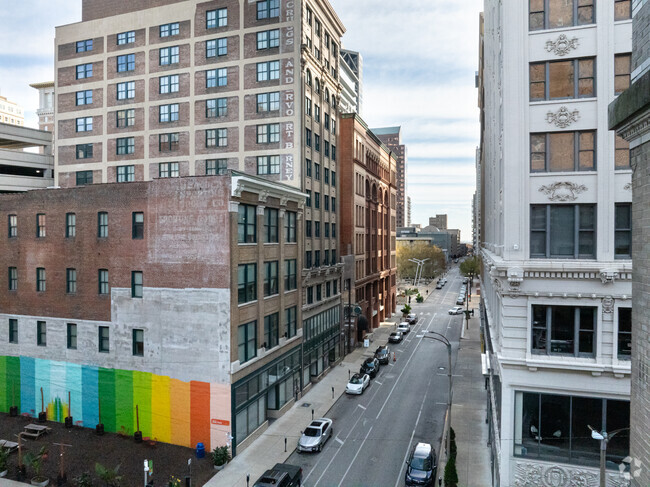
{"x": 419, "y": 60}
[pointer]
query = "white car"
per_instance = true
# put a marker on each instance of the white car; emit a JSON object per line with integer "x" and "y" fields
{"x": 404, "y": 327}
{"x": 456, "y": 310}
{"x": 357, "y": 384}
{"x": 315, "y": 435}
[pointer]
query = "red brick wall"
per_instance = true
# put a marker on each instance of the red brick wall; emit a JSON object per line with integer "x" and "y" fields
{"x": 67, "y": 102}
{"x": 183, "y": 116}
{"x": 232, "y": 54}
{"x": 68, "y": 76}
{"x": 69, "y": 51}
{"x": 200, "y": 17}
{"x": 111, "y": 41}
{"x": 184, "y": 32}
{"x": 111, "y": 66}
{"x": 231, "y": 116}
{"x": 97, "y": 9}
{"x": 183, "y": 59}
{"x": 67, "y": 128}
{"x": 68, "y": 154}
{"x": 183, "y": 88}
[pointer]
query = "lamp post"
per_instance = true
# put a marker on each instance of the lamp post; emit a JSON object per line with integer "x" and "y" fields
{"x": 604, "y": 438}
{"x": 443, "y": 339}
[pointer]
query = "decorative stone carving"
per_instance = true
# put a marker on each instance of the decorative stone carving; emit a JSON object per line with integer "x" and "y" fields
{"x": 497, "y": 284}
{"x": 563, "y": 191}
{"x": 534, "y": 474}
{"x": 563, "y": 117}
{"x": 608, "y": 305}
{"x": 608, "y": 276}
{"x": 562, "y": 45}
{"x": 283, "y": 201}
{"x": 263, "y": 196}
{"x": 515, "y": 278}
{"x": 238, "y": 190}
{"x": 628, "y": 187}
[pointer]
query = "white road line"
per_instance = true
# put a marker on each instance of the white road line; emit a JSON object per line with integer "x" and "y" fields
{"x": 353, "y": 459}
{"x": 377, "y": 382}
{"x": 362, "y": 407}
{"x": 339, "y": 440}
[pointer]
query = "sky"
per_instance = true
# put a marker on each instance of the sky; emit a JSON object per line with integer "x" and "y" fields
{"x": 419, "y": 61}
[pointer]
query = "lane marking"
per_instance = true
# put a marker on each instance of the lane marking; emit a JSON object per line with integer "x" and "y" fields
{"x": 362, "y": 407}
{"x": 353, "y": 459}
{"x": 339, "y": 440}
{"x": 377, "y": 382}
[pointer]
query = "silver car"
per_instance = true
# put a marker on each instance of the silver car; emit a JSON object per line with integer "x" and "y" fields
{"x": 315, "y": 435}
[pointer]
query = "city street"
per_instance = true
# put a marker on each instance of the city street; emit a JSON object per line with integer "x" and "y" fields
{"x": 405, "y": 404}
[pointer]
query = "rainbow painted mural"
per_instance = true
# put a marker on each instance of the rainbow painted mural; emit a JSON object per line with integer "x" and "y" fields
{"x": 170, "y": 410}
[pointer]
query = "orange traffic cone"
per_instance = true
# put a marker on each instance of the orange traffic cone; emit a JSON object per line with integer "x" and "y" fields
{"x": 394, "y": 357}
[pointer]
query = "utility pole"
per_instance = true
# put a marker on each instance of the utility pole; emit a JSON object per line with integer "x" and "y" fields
{"x": 604, "y": 438}
{"x": 444, "y": 340}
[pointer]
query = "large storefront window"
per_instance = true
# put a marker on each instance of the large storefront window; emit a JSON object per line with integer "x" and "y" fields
{"x": 321, "y": 342}
{"x": 556, "y": 428}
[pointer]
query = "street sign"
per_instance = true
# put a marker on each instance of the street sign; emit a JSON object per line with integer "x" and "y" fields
{"x": 357, "y": 310}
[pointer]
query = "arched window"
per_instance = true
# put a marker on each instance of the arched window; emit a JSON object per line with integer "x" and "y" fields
{"x": 317, "y": 85}
{"x": 308, "y": 78}
{"x": 333, "y": 102}
{"x": 327, "y": 96}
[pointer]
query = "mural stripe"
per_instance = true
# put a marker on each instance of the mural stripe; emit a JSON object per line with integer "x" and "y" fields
{"x": 124, "y": 402}
{"x": 90, "y": 394}
{"x": 28, "y": 383}
{"x": 142, "y": 399}
{"x": 180, "y": 412}
{"x": 200, "y": 413}
{"x": 160, "y": 425}
{"x": 107, "y": 398}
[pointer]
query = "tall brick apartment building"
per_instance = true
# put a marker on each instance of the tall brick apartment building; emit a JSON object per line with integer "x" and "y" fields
{"x": 392, "y": 137}
{"x": 368, "y": 220}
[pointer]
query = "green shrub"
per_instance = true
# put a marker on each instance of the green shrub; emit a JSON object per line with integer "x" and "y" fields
{"x": 451, "y": 476}
{"x": 419, "y": 298}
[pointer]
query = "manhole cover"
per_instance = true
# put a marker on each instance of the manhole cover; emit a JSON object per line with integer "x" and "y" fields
{"x": 305, "y": 404}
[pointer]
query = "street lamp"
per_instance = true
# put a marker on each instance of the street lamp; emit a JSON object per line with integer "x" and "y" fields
{"x": 604, "y": 438}
{"x": 418, "y": 271}
{"x": 443, "y": 339}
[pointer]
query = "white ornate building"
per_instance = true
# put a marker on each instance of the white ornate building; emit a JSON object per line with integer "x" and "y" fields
{"x": 555, "y": 237}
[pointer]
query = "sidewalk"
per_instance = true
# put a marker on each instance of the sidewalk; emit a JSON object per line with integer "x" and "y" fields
{"x": 268, "y": 449}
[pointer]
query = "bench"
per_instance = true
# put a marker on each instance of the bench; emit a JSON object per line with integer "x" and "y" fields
{"x": 10, "y": 446}
{"x": 35, "y": 431}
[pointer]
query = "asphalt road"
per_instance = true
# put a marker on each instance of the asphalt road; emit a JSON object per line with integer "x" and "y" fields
{"x": 405, "y": 404}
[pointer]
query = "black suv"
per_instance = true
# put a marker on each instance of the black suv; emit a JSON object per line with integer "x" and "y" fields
{"x": 421, "y": 466}
{"x": 370, "y": 366}
{"x": 383, "y": 355}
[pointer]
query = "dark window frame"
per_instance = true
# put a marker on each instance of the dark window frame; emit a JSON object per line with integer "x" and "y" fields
{"x": 216, "y": 167}
{"x": 578, "y": 231}
{"x": 84, "y": 46}
{"x": 103, "y": 339}
{"x": 41, "y": 333}
{"x": 268, "y": 102}
{"x": 13, "y": 330}
{"x": 71, "y": 336}
{"x": 102, "y": 224}
{"x": 12, "y": 275}
{"x": 290, "y": 218}
{"x": 83, "y": 178}
{"x": 246, "y": 283}
{"x": 83, "y": 97}
{"x": 137, "y": 284}
{"x": 102, "y": 282}
{"x": 137, "y": 225}
{"x": 271, "y": 225}
{"x": 271, "y": 330}
{"x": 623, "y": 231}
{"x": 624, "y": 334}
{"x": 168, "y": 142}
{"x": 577, "y": 151}
{"x": 271, "y": 281}
{"x": 246, "y": 224}
{"x": 268, "y": 9}
{"x": 214, "y": 18}
{"x": 125, "y": 63}
{"x": 290, "y": 274}
{"x": 12, "y": 226}
{"x": 137, "y": 339}
{"x": 247, "y": 341}
{"x": 71, "y": 280}
{"x": 541, "y": 344}
{"x": 577, "y": 9}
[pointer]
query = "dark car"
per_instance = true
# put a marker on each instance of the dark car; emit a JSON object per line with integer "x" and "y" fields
{"x": 412, "y": 319}
{"x": 383, "y": 355}
{"x": 421, "y": 466}
{"x": 370, "y": 366}
{"x": 395, "y": 337}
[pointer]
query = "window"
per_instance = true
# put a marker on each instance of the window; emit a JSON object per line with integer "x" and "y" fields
{"x": 125, "y": 118}
{"x": 334, "y": 283}
{"x": 12, "y": 224}
{"x": 326, "y": 151}
{"x": 328, "y": 285}
{"x": 70, "y": 225}
{"x": 553, "y": 14}
{"x": 308, "y": 80}
{"x": 126, "y": 90}
{"x": 317, "y": 142}
{"x": 317, "y": 27}
{"x": 103, "y": 342}
{"x": 84, "y": 177}
{"x": 246, "y": 224}
{"x": 136, "y": 284}
{"x": 268, "y": 102}
{"x": 563, "y": 231}
{"x": 216, "y": 107}
{"x": 138, "y": 342}
{"x": 623, "y": 231}
{"x": 168, "y": 142}
{"x": 310, "y": 294}
{"x": 13, "y": 330}
{"x": 622, "y": 153}
{"x": 126, "y": 38}
{"x": 308, "y": 199}
{"x": 316, "y": 258}
{"x": 84, "y": 124}
{"x": 333, "y": 232}
{"x": 290, "y": 227}
{"x": 268, "y": 39}
{"x": 317, "y": 113}
{"x": 333, "y": 120}
{"x": 309, "y": 15}
{"x": 168, "y": 55}
{"x": 326, "y": 121}
{"x": 622, "y": 70}
{"x": 168, "y": 30}
{"x": 168, "y": 113}
{"x": 40, "y": 225}
{"x": 326, "y": 176}
{"x": 308, "y": 167}
{"x": 317, "y": 200}
{"x": 168, "y": 84}
{"x": 84, "y": 151}
{"x": 622, "y": 10}
{"x": 290, "y": 322}
{"x": 624, "y": 333}
{"x": 317, "y": 85}
{"x": 216, "y": 137}
{"x": 72, "y": 336}
{"x": 216, "y": 18}
{"x": 308, "y": 106}
{"x": 317, "y": 229}
{"x": 102, "y": 224}
{"x": 308, "y": 137}
{"x": 554, "y": 80}
{"x": 13, "y": 279}
{"x": 41, "y": 333}
{"x": 317, "y": 171}
{"x": 268, "y": 164}
{"x": 247, "y": 341}
{"x": 125, "y": 145}
{"x": 308, "y": 261}
{"x": 271, "y": 225}
{"x": 71, "y": 281}
{"x": 84, "y": 97}
{"x": 216, "y": 77}
{"x": 216, "y": 47}
{"x": 271, "y": 330}
{"x": 84, "y": 71}
{"x": 137, "y": 225}
{"x": 125, "y": 174}
{"x": 564, "y": 330}
{"x": 333, "y": 205}
{"x": 168, "y": 170}
{"x": 563, "y": 151}
{"x": 319, "y": 288}
{"x": 125, "y": 63}
{"x": 102, "y": 279}
{"x": 290, "y": 280}
{"x": 246, "y": 283}
{"x": 83, "y": 46}
{"x": 268, "y": 134}
{"x": 327, "y": 227}
{"x": 308, "y": 228}
{"x": 215, "y": 167}
{"x": 268, "y": 70}
{"x": 267, "y": 9}
{"x": 333, "y": 152}
{"x": 270, "y": 278}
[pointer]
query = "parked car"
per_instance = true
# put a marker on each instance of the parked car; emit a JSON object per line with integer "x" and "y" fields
{"x": 383, "y": 355}
{"x": 315, "y": 435}
{"x": 357, "y": 384}
{"x": 465, "y": 280}
{"x": 404, "y": 327}
{"x": 438, "y": 286}
{"x": 370, "y": 366}
{"x": 412, "y": 319}
{"x": 456, "y": 310}
{"x": 282, "y": 475}
{"x": 421, "y": 467}
{"x": 460, "y": 299}
{"x": 395, "y": 337}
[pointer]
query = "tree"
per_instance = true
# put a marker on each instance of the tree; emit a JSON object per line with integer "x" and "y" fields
{"x": 470, "y": 266}
{"x": 419, "y": 250}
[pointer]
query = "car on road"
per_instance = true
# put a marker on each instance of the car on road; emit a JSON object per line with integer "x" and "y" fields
{"x": 465, "y": 280}
{"x": 460, "y": 299}
{"x": 383, "y": 355}
{"x": 357, "y": 384}
{"x": 438, "y": 286}
{"x": 370, "y": 366}
{"x": 421, "y": 467}
{"x": 412, "y": 319}
{"x": 456, "y": 310}
{"x": 315, "y": 435}
{"x": 282, "y": 475}
{"x": 395, "y": 337}
{"x": 404, "y": 327}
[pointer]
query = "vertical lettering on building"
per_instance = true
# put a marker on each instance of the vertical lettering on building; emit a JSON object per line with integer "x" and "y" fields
{"x": 289, "y": 10}
{"x": 287, "y": 167}
{"x": 288, "y": 103}
{"x": 287, "y": 71}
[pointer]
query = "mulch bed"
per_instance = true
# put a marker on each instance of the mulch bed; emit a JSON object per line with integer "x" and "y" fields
{"x": 109, "y": 450}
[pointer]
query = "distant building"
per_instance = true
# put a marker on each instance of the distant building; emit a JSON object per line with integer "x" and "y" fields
{"x": 45, "y": 110}
{"x": 11, "y": 113}
{"x": 439, "y": 221}
{"x": 392, "y": 137}
{"x": 20, "y": 170}
{"x": 351, "y": 78}
{"x": 408, "y": 211}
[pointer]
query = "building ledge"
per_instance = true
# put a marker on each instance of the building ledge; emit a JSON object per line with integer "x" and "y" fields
{"x": 629, "y": 106}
